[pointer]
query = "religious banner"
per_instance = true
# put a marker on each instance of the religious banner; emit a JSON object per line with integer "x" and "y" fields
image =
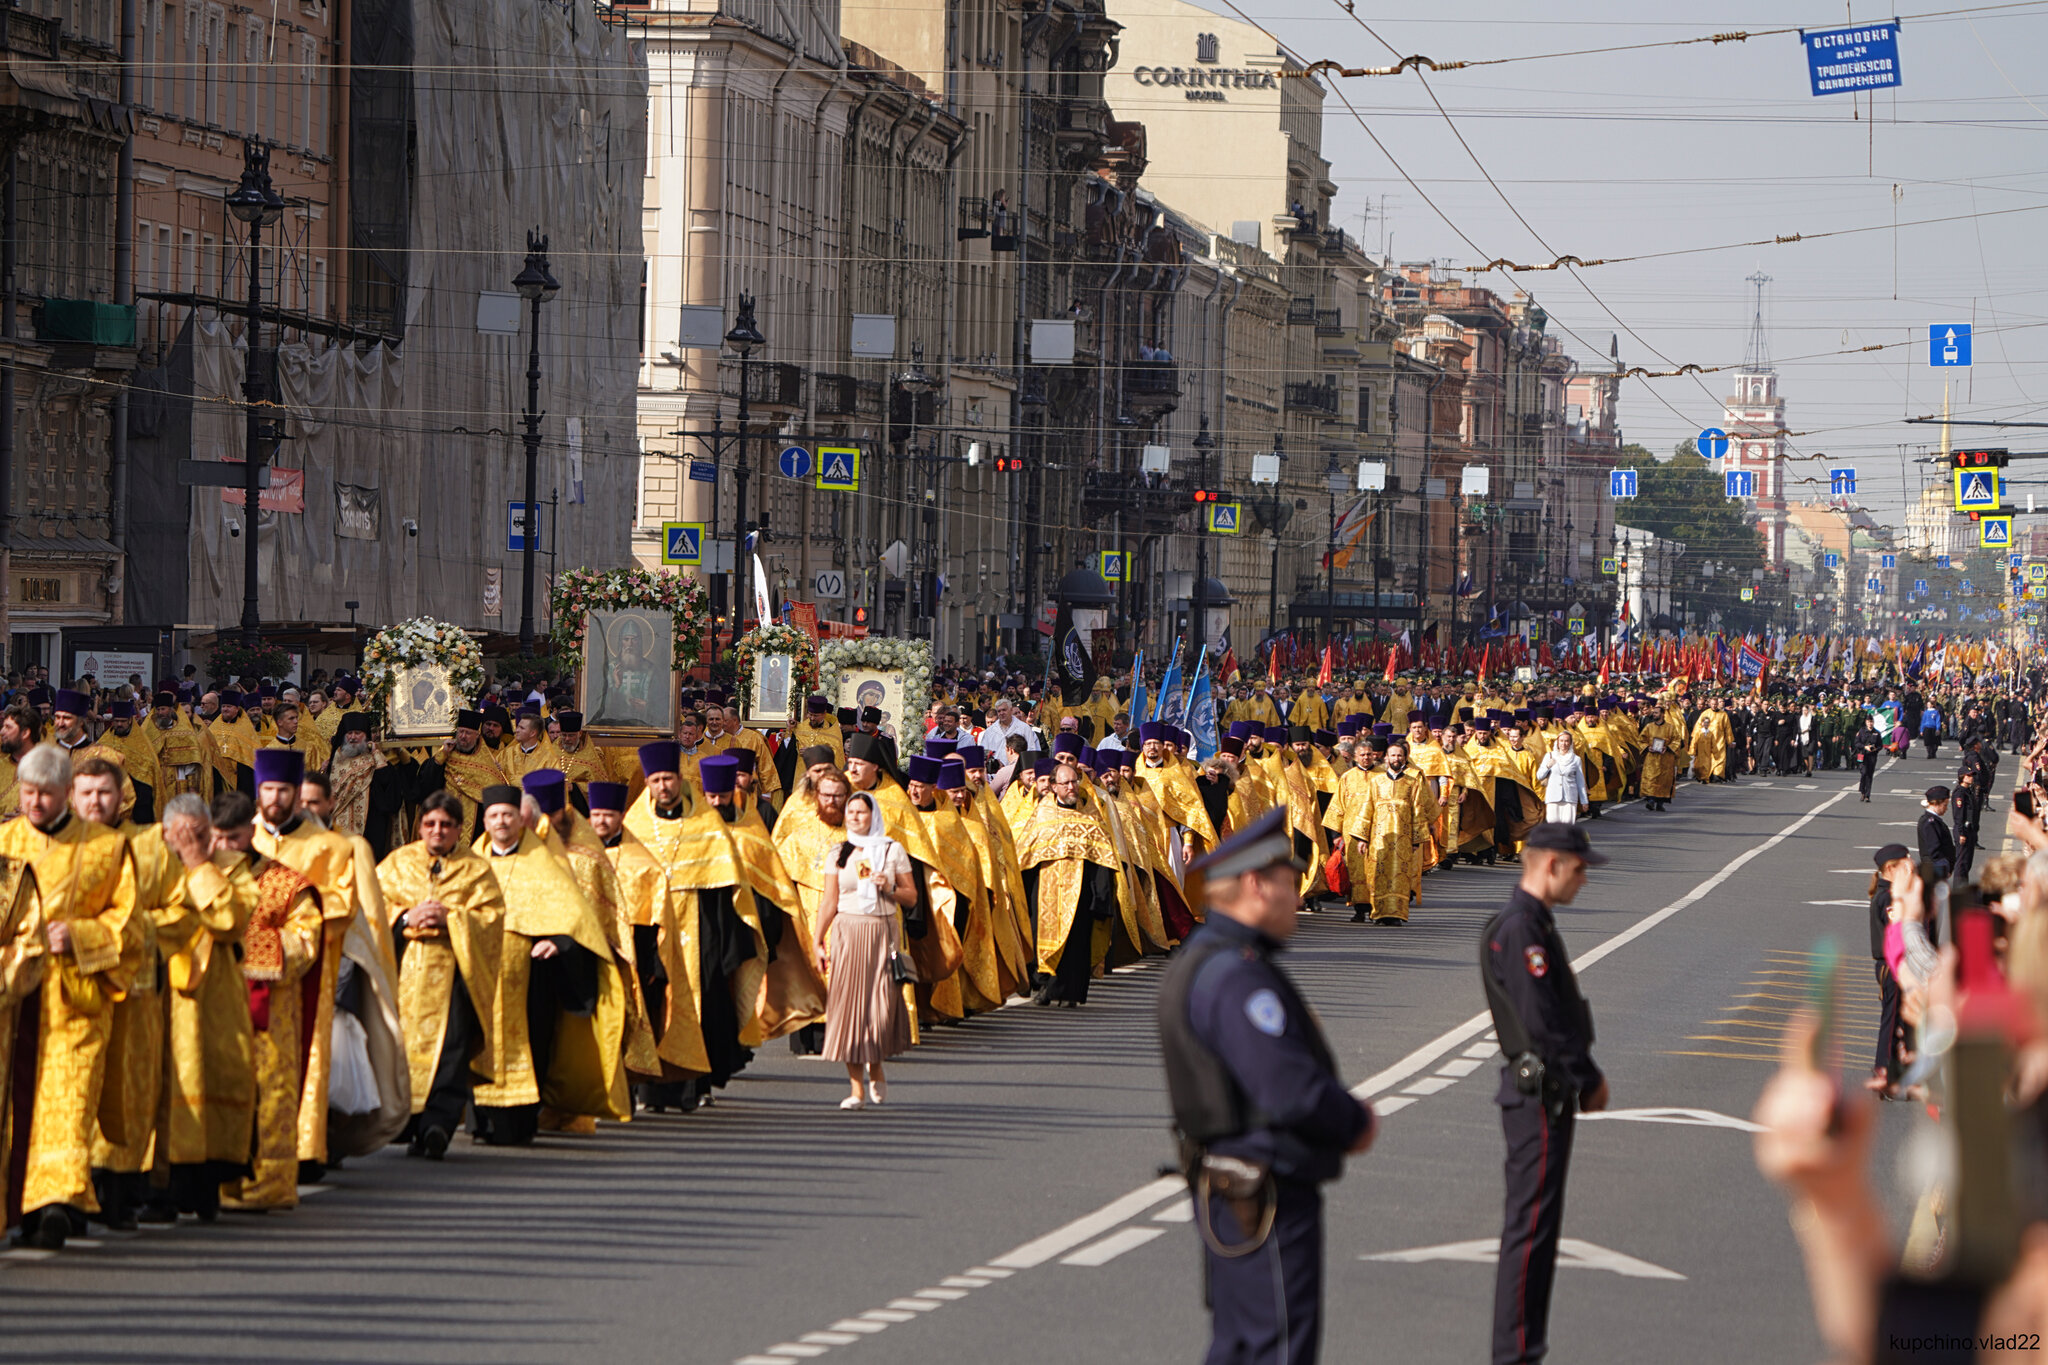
{"x": 628, "y": 683}
{"x": 895, "y": 675}
{"x": 774, "y": 669}
{"x": 419, "y": 673}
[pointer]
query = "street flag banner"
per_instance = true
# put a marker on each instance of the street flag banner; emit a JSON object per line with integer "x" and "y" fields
{"x": 764, "y": 610}
{"x": 1329, "y": 669}
{"x": 1200, "y": 710}
{"x": 1169, "y": 705}
{"x": 1136, "y": 709}
{"x": 1749, "y": 663}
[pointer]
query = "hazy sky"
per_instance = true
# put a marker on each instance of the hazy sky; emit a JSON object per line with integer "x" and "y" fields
{"x": 1625, "y": 153}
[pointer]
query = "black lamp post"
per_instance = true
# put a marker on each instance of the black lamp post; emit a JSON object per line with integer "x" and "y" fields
{"x": 917, "y": 382}
{"x": 1333, "y": 480}
{"x": 255, "y": 203}
{"x": 744, "y": 338}
{"x": 1198, "y": 617}
{"x": 1274, "y": 513}
{"x": 536, "y": 286}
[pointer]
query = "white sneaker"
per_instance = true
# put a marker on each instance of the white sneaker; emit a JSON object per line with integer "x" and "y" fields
{"x": 852, "y": 1102}
{"x": 877, "y": 1091}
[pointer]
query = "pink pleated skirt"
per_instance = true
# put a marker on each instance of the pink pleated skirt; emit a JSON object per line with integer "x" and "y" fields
{"x": 865, "y": 1020}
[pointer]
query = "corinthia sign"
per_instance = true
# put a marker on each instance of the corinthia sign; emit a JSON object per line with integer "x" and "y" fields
{"x": 1206, "y": 81}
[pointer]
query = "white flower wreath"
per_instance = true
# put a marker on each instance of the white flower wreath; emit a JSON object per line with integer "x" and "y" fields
{"x": 422, "y": 640}
{"x": 911, "y": 658}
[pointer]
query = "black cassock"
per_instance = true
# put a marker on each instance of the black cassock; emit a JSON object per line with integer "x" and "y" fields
{"x": 1069, "y": 982}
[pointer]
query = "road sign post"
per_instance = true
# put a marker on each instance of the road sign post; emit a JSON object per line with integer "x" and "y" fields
{"x": 682, "y": 543}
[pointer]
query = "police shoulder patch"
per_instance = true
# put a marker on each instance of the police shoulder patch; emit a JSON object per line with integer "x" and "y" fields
{"x": 1537, "y": 962}
{"x": 1266, "y": 1012}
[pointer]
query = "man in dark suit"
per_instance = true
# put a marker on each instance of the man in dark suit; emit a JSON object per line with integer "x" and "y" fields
{"x": 1937, "y": 844}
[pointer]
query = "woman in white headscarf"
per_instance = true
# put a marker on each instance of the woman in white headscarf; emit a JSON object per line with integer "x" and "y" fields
{"x": 1563, "y": 779}
{"x": 867, "y": 882}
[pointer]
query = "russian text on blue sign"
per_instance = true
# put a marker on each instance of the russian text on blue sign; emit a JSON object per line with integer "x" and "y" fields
{"x": 703, "y": 471}
{"x": 1712, "y": 443}
{"x": 1948, "y": 345}
{"x": 1840, "y": 61}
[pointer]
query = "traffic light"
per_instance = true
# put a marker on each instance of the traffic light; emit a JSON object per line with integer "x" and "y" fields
{"x": 1979, "y": 459}
{"x": 1207, "y": 495}
{"x": 1009, "y": 464}
{"x": 860, "y": 616}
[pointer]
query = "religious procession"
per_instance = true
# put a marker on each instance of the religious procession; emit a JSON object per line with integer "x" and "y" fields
{"x": 256, "y": 930}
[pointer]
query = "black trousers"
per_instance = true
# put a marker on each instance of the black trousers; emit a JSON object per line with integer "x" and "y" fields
{"x": 449, "y": 1094}
{"x": 1539, "y": 1154}
{"x": 1869, "y": 770}
{"x": 1887, "y": 1024}
{"x": 1267, "y": 1306}
{"x": 654, "y": 985}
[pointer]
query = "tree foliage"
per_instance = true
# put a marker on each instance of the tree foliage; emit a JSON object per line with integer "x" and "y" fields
{"x": 1682, "y": 499}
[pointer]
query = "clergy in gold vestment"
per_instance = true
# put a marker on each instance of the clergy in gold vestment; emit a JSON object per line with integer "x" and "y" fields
{"x": 465, "y": 767}
{"x": 1662, "y": 739}
{"x": 583, "y": 853}
{"x": 821, "y": 728}
{"x": 734, "y": 735}
{"x": 1138, "y": 928}
{"x": 448, "y": 926}
{"x": 792, "y": 993}
{"x": 86, "y": 885}
{"x": 184, "y": 760}
{"x": 663, "y": 954}
{"x": 1171, "y": 779}
{"x": 1070, "y": 870}
{"x": 234, "y": 740}
{"x": 559, "y": 982}
{"x": 1390, "y": 822}
{"x": 581, "y": 760}
{"x": 957, "y": 892}
{"x": 210, "y": 1082}
{"x": 282, "y": 949}
{"x": 727, "y": 960}
{"x": 328, "y": 861}
{"x": 137, "y": 756}
{"x": 23, "y": 954}
{"x": 135, "y": 1047}
{"x": 1008, "y": 913}
{"x": 530, "y": 749}
{"x": 292, "y": 732}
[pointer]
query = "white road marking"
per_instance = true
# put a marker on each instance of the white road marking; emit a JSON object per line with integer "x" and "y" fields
{"x": 1844, "y": 902}
{"x": 966, "y": 1281}
{"x": 1392, "y": 1104}
{"x": 1900, "y": 824}
{"x": 1763, "y": 784}
{"x": 795, "y": 1350}
{"x": 1112, "y": 1246}
{"x": 1060, "y": 1240}
{"x": 1571, "y": 1252}
{"x": 1429, "y": 1085}
{"x": 991, "y": 1272}
{"x": 1808, "y": 786}
{"x": 1181, "y": 1212}
{"x": 1688, "y": 1118}
{"x": 857, "y": 1325}
{"x": 916, "y": 1305}
{"x": 1460, "y": 1066}
{"x": 887, "y": 1315}
{"x": 1483, "y": 1050}
{"x": 829, "y": 1338}
{"x": 937, "y": 1293}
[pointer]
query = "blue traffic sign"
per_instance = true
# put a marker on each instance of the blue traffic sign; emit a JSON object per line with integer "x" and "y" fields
{"x": 1841, "y": 482}
{"x": 839, "y": 469}
{"x": 1941, "y": 561}
{"x": 1741, "y": 483}
{"x": 795, "y": 462}
{"x": 1621, "y": 483}
{"x": 682, "y": 542}
{"x": 703, "y": 471}
{"x": 1712, "y": 443}
{"x": 1875, "y": 584}
{"x": 1842, "y": 61}
{"x": 1832, "y": 560}
{"x": 1994, "y": 533}
{"x": 1948, "y": 345}
{"x": 1889, "y": 561}
{"x": 1919, "y": 585}
{"x": 515, "y": 528}
{"x": 2014, "y": 561}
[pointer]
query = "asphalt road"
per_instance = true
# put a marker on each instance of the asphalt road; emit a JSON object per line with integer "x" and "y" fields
{"x": 1004, "y": 1207}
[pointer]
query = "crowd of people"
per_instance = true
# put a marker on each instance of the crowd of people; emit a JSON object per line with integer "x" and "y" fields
{"x": 246, "y": 938}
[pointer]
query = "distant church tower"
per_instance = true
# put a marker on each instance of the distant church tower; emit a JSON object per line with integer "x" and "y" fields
{"x": 1754, "y": 418}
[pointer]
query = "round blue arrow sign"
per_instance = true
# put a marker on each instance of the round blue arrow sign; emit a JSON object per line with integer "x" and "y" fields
{"x": 795, "y": 462}
{"x": 1713, "y": 443}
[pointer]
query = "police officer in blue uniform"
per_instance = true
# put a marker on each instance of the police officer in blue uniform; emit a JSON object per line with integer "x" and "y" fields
{"x": 1260, "y": 1113}
{"x": 1546, "y": 1033}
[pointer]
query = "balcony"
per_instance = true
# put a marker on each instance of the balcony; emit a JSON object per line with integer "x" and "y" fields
{"x": 838, "y": 394}
{"x": 1333, "y": 242}
{"x": 1152, "y": 387}
{"x": 973, "y": 219}
{"x": 1301, "y": 312}
{"x": 1330, "y": 323}
{"x": 1082, "y": 121}
{"x": 1317, "y": 399}
{"x": 774, "y": 383}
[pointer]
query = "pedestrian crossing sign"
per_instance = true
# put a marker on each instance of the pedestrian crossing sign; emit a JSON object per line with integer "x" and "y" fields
{"x": 1223, "y": 518}
{"x": 682, "y": 543}
{"x": 1576, "y": 625}
{"x": 839, "y": 469}
{"x": 1607, "y": 564}
{"x": 1110, "y": 564}
{"x": 1976, "y": 490}
{"x": 2037, "y": 573}
{"x": 1994, "y": 533}
{"x": 1749, "y": 594}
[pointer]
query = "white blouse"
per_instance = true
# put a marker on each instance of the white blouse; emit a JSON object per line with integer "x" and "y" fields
{"x": 857, "y": 894}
